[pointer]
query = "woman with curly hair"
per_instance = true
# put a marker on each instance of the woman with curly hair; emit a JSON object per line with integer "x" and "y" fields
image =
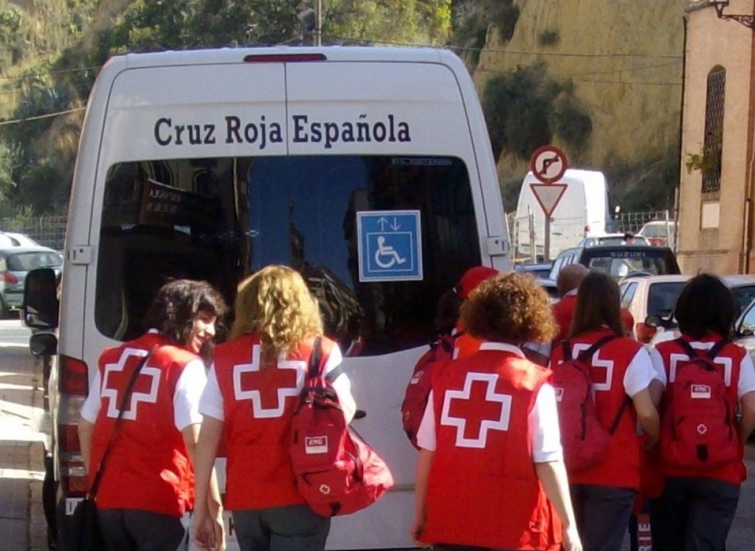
{"x": 621, "y": 374}
{"x": 252, "y": 392}
{"x": 490, "y": 473}
{"x": 146, "y": 485}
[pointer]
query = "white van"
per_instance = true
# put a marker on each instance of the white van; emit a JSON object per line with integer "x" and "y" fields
{"x": 367, "y": 169}
{"x": 581, "y": 212}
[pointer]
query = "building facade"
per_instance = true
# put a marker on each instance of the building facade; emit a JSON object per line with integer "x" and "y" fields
{"x": 716, "y": 190}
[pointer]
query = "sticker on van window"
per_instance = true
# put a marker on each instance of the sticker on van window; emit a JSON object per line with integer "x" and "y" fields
{"x": 390, "y": 245}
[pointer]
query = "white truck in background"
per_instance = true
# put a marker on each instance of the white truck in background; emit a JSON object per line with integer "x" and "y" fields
{"x": 581, "y": 212}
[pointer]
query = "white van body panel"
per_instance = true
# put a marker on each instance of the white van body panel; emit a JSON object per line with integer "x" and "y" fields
{"x": 582, "y": 205}
{"x": 133, "y": 114}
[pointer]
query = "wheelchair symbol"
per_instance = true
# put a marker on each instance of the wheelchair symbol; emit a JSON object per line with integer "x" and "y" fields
{"x": 393, "y": 258}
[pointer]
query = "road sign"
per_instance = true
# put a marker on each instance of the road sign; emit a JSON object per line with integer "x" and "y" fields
{"x": 548, "y": 196}
{"x": 548, "y": 164}
{"x": 390, "y": 245}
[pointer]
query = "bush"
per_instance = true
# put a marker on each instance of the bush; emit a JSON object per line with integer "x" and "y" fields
{"x": 548, "y": 38}
{"x": 506, "y": 19}
{"x": 518, "y": 108}
{"x": 573, "y": 123}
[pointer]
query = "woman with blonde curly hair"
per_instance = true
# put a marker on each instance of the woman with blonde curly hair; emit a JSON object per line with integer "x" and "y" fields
{"x": 490, "y": 473}
{"x": 252, "y": 392}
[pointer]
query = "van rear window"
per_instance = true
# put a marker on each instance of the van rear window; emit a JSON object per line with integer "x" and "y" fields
{"x": 220, "y": 219}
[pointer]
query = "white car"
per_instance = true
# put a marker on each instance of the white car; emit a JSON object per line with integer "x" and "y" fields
{"x": 650, "y": 296}
{"x": 659, "y": 233}
{"x": 743, "y": 289}
{"x": 610, "y": 239}
{"x": 12, "y": 239}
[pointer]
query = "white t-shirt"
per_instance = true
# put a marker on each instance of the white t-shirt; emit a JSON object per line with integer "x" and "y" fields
{"x": 745, "y": 384}
{"x": 545, "y": 434}
{"x": 211, "y": 402}
{"x": 189, "y": 388}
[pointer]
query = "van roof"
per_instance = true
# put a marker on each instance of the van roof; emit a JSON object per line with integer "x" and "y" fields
{"x": 236, "y": 55}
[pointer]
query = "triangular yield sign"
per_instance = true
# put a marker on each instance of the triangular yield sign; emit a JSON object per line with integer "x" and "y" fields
{"x": 548, "y": 195}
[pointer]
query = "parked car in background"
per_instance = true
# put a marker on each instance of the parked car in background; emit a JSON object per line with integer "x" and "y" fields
{"x": 650, "y": 296}
{"x": 742, "y": 287}
{"x": 610, "y": 239}
{"x": 659, "y": 233}
{"x": 538, "y": 271}
{"x": 12, "y": 239}
{"x": 15, "y": 263}
{"x": 619, "y": 261}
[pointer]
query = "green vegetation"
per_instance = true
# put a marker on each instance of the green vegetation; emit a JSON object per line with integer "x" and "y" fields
{"x": 524, "y": 109}
{"x": 50, "y": 56}
{"x": 548, "y": 38}
{"x": 645, "y": 185}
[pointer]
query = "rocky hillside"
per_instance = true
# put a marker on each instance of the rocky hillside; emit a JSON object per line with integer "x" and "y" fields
{"x": 621, "y": 61}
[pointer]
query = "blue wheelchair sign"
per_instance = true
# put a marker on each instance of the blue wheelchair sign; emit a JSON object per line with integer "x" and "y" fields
{"x": 390, "y": 245}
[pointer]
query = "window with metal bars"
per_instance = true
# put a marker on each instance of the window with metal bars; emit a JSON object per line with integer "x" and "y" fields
{"x": 714, "y": 130}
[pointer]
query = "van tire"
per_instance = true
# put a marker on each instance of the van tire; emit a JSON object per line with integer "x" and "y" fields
{"x": 4, "y": 309}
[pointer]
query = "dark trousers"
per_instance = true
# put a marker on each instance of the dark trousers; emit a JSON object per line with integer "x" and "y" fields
{"x": 132, "y": 530}
{"x": 602, "y": 514}
{"x": 693, "y": 514}
{"x": 290, "y": 528}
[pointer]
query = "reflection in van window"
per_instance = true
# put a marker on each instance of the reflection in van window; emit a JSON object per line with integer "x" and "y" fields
{"x": 220, "y": 219}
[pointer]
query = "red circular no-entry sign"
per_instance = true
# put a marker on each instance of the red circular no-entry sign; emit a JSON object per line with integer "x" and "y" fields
{"x": 548, "y": 164}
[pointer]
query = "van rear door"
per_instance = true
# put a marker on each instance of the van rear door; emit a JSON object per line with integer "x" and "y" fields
{"x": 412, "y": 116}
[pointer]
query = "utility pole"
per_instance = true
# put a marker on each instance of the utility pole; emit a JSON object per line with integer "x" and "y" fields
{"x": 318, "y": 24}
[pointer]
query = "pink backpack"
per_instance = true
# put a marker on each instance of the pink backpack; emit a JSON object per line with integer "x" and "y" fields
{"x": 585, "y": 441}
{"x": 698, "y": 425}
{"x": 418, "y": 390}
{"x": 337, "y": 473}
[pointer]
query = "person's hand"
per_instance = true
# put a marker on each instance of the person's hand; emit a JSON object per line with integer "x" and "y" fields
{"x": 418, "y": 527}
{"x": 207, "y": 529}
{"x": 572, "y": 542}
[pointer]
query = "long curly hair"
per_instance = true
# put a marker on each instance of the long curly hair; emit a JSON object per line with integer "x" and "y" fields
{"x": 509, "y": 308}
{"x": 276, "y": 304}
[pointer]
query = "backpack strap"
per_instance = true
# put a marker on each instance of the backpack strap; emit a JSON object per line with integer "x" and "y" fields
{"x": 687, "y": 347}
{"x": 587, "y": 354}
{"x": 617, "y": 420}
{"x": 693, "y": 353}
{"x": 713, "y": 352}
{"x": 314, "y": 359}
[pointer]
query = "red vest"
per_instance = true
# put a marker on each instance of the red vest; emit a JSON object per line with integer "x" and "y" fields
{"x": 258, "y": 405}
{"x": 148, "y": 466}
{"x": 609, "y": 364}
{"x": 731, "y": 358}
{"x": 483, "y": 489}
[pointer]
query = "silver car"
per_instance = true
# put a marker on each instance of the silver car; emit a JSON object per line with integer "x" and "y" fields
{"x": 15, "y": 263}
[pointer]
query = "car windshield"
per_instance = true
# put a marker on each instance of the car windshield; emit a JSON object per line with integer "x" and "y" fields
{"x": 654, "y": 230}
{"x": 662, "y": 297}
{"x": 743, "y": 296}
{"x": 623, "y": 261}
{"x": 24, "y": 262}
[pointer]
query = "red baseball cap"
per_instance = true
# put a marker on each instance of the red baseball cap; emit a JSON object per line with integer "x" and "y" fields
{"x": 472, "y": 278}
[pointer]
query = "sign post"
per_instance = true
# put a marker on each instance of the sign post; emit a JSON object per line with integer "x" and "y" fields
{"x": 548, "y": 164}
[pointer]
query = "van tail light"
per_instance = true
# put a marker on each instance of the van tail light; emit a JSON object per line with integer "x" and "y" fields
{"x": 74, "y": 376}
{"x": 9, "y": 278}
{"x": 644, "y": 332}
{"x": 73, "y": 475}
